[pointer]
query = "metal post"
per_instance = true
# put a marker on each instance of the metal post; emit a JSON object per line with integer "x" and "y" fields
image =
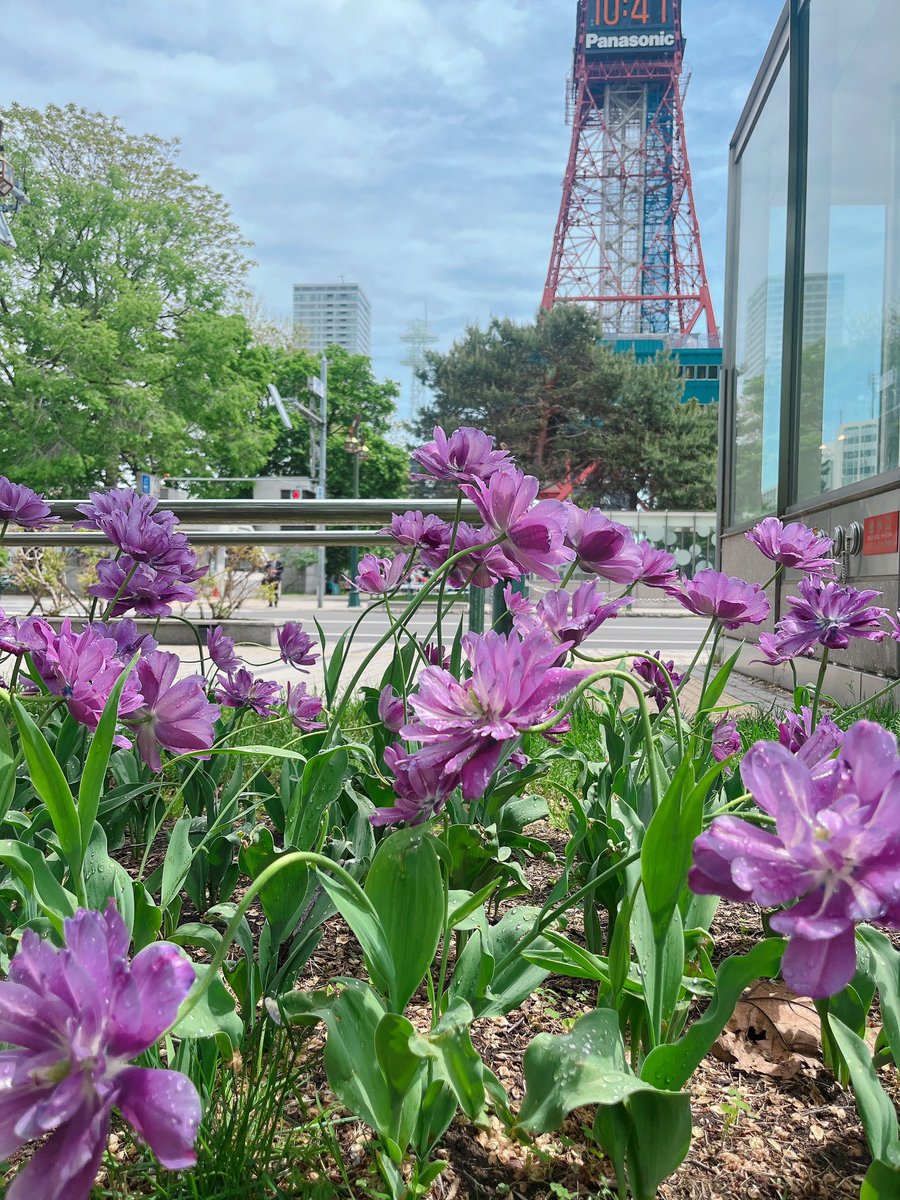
{"x": 353, "y": 598}
{"x": 320, "y": 488}
{"x": 476, "y": 609}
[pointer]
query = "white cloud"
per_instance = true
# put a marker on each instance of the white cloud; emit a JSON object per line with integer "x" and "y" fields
{"x": 413, "y": 145}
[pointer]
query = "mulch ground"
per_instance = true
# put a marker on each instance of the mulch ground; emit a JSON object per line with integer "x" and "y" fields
{"x": 769, "y": 1120}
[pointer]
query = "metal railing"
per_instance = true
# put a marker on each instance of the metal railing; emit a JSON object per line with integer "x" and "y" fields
{"x": 263, "y": 517}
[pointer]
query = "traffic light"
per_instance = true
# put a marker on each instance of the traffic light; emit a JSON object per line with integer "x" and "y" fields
{"x": 295, "y": 494}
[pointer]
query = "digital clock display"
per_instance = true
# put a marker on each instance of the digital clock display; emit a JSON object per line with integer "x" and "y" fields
{"x": 631, "y": 27}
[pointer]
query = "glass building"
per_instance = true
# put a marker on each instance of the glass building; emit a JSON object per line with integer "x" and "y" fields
{"x": 333, "y": 314}
{"x": 811, "y": 408}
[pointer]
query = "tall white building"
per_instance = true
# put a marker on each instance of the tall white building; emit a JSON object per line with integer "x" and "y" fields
{"x": 333, "y": 314}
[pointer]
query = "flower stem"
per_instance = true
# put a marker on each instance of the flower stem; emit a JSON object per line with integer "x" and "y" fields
{"x": 546, "y": 918}
{"x": 316, "y": 862}
{"x": 820, "y": 680}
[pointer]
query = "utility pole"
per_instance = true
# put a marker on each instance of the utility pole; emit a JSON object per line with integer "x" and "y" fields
{"x": 359, "y": 451}
{"x": 318, "y": 386}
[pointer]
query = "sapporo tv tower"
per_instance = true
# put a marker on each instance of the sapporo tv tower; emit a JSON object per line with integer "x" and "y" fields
{"x": 627, "y": 240}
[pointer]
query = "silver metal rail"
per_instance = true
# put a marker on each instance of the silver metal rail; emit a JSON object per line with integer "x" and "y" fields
{"x": 205, "y": 537}
{"x": 288, "y": 512}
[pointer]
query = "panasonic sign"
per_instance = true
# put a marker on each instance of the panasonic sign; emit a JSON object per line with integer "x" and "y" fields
{"x": 629, "y": 41}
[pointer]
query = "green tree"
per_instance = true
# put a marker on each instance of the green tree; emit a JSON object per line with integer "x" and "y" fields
{"x": 119, "y": 347}
{"x": 684, "y": 458}
{"x": 352, "y": 391}
{"x": 561, "y": 400}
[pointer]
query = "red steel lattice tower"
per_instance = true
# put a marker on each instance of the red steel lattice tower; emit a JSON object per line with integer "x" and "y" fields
{"x": 627, "y": 240}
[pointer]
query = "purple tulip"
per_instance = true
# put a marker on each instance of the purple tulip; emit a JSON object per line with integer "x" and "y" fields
{"x": 437, "y": 655}
{"x": 83, "y": 668}
{"x": 648, "y": 669}
{"x": 731, "y": 601}
{"x": 835, "y": 850}
{"x": 893, "y": 624}
{"x": 76, "y": 1017}
{"x": 830, "y": 614}
{"x": 175, "y": 716}
{"x": 468, "y": 454}
{"x": 794, "y": 545}
{"x": 773, "y": 651}
{"x": 726, "y": 740}
{"x": 129, "y": 640}
{"x": 391, "y": 709}
{"x": 243, "y": 690}
{"x": 378, "y": 576}
{"x": 422, "y": 789}
{"x": 296, "y": 646}
{"x": 480, "y": 568}
{"x": 416, "y": 531}
{"x": 466, "y": 726}
{"x": 25, "y": 636}
{"x": 603, "y": 547}
{"x": 19, "y": 505}
{"x": 303, "y": 709}
{"x": 657, "y": 566}
{"x": 222, "y": 650}
{"x": 534, "y": 534}
{"x": 144, "y": 534}
{"x": 134, "y": 585}
{"x": 815, "y": 747}
{"x": 589, "y": 609}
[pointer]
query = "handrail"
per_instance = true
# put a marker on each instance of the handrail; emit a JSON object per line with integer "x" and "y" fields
{"x": 205, "y": 537}
{"x": 295, "y": 512}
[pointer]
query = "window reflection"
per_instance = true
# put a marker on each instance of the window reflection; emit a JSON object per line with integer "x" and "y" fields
{"x": 760, "y": 307}
{"x": 849, "y": 421}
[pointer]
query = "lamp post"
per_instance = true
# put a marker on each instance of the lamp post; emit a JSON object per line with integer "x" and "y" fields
{"x": 316, "y": 386}
{"x": 359, "y": 452}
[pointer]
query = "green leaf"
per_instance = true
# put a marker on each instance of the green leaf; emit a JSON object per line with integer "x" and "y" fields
{"x": 405, "y": 887}
{"x": 335, "y": 667}
{"x": 105, "y": 879}
{"x": 319, "y": 786}
{"x": 360, "y": 914}
{"x": 667, "y": 848}
{"x": 717, "y": 684}
{"x": 449, "y": 1044}
{"x": 670, "y": 1067}
{"x": 885, "y": 967}
{"x": 351, "y": 1062}
{"x": 97, "y": 761}
{"x": 29, "y": 865}
{"x": 7, "y": 770}
{"x": 876, "y": 1111}
{"x": 177, "y": 861}
{"x": 51, "y": 785}
{"x": 882, "y": 1182}
{"x": 642, "y": 1129}
{"x": 565, "y": 1071}
{"x": 214, "y": 1014}
{"x": 282, "y": 898}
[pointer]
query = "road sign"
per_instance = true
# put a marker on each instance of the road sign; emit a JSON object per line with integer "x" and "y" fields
{"x": 147, "y": 484}
{"x": 315, "y": 385}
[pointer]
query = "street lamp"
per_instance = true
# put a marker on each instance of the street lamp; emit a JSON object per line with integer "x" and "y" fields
{"x": 316, "y": 386}
{"x": 359, "y": 451}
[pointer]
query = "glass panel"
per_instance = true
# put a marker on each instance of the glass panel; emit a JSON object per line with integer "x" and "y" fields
{"x": 849, "y": 417}
{"x": 760, "y": 307}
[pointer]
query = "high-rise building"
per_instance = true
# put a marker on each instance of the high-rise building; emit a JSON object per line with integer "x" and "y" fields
{"x": 333, "y": 314}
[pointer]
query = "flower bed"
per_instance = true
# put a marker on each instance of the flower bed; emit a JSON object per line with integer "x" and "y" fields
{"x": 218, "y": 894}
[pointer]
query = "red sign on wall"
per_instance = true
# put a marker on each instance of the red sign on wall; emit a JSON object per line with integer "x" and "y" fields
{"x": 881, "y": 534}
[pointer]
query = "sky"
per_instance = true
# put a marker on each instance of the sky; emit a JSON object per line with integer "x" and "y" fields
{"x": 415, "y": 147}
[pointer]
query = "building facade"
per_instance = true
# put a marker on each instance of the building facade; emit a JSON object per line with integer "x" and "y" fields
{"x": 811, "y": 413}
{"x": 333, "y": 314}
